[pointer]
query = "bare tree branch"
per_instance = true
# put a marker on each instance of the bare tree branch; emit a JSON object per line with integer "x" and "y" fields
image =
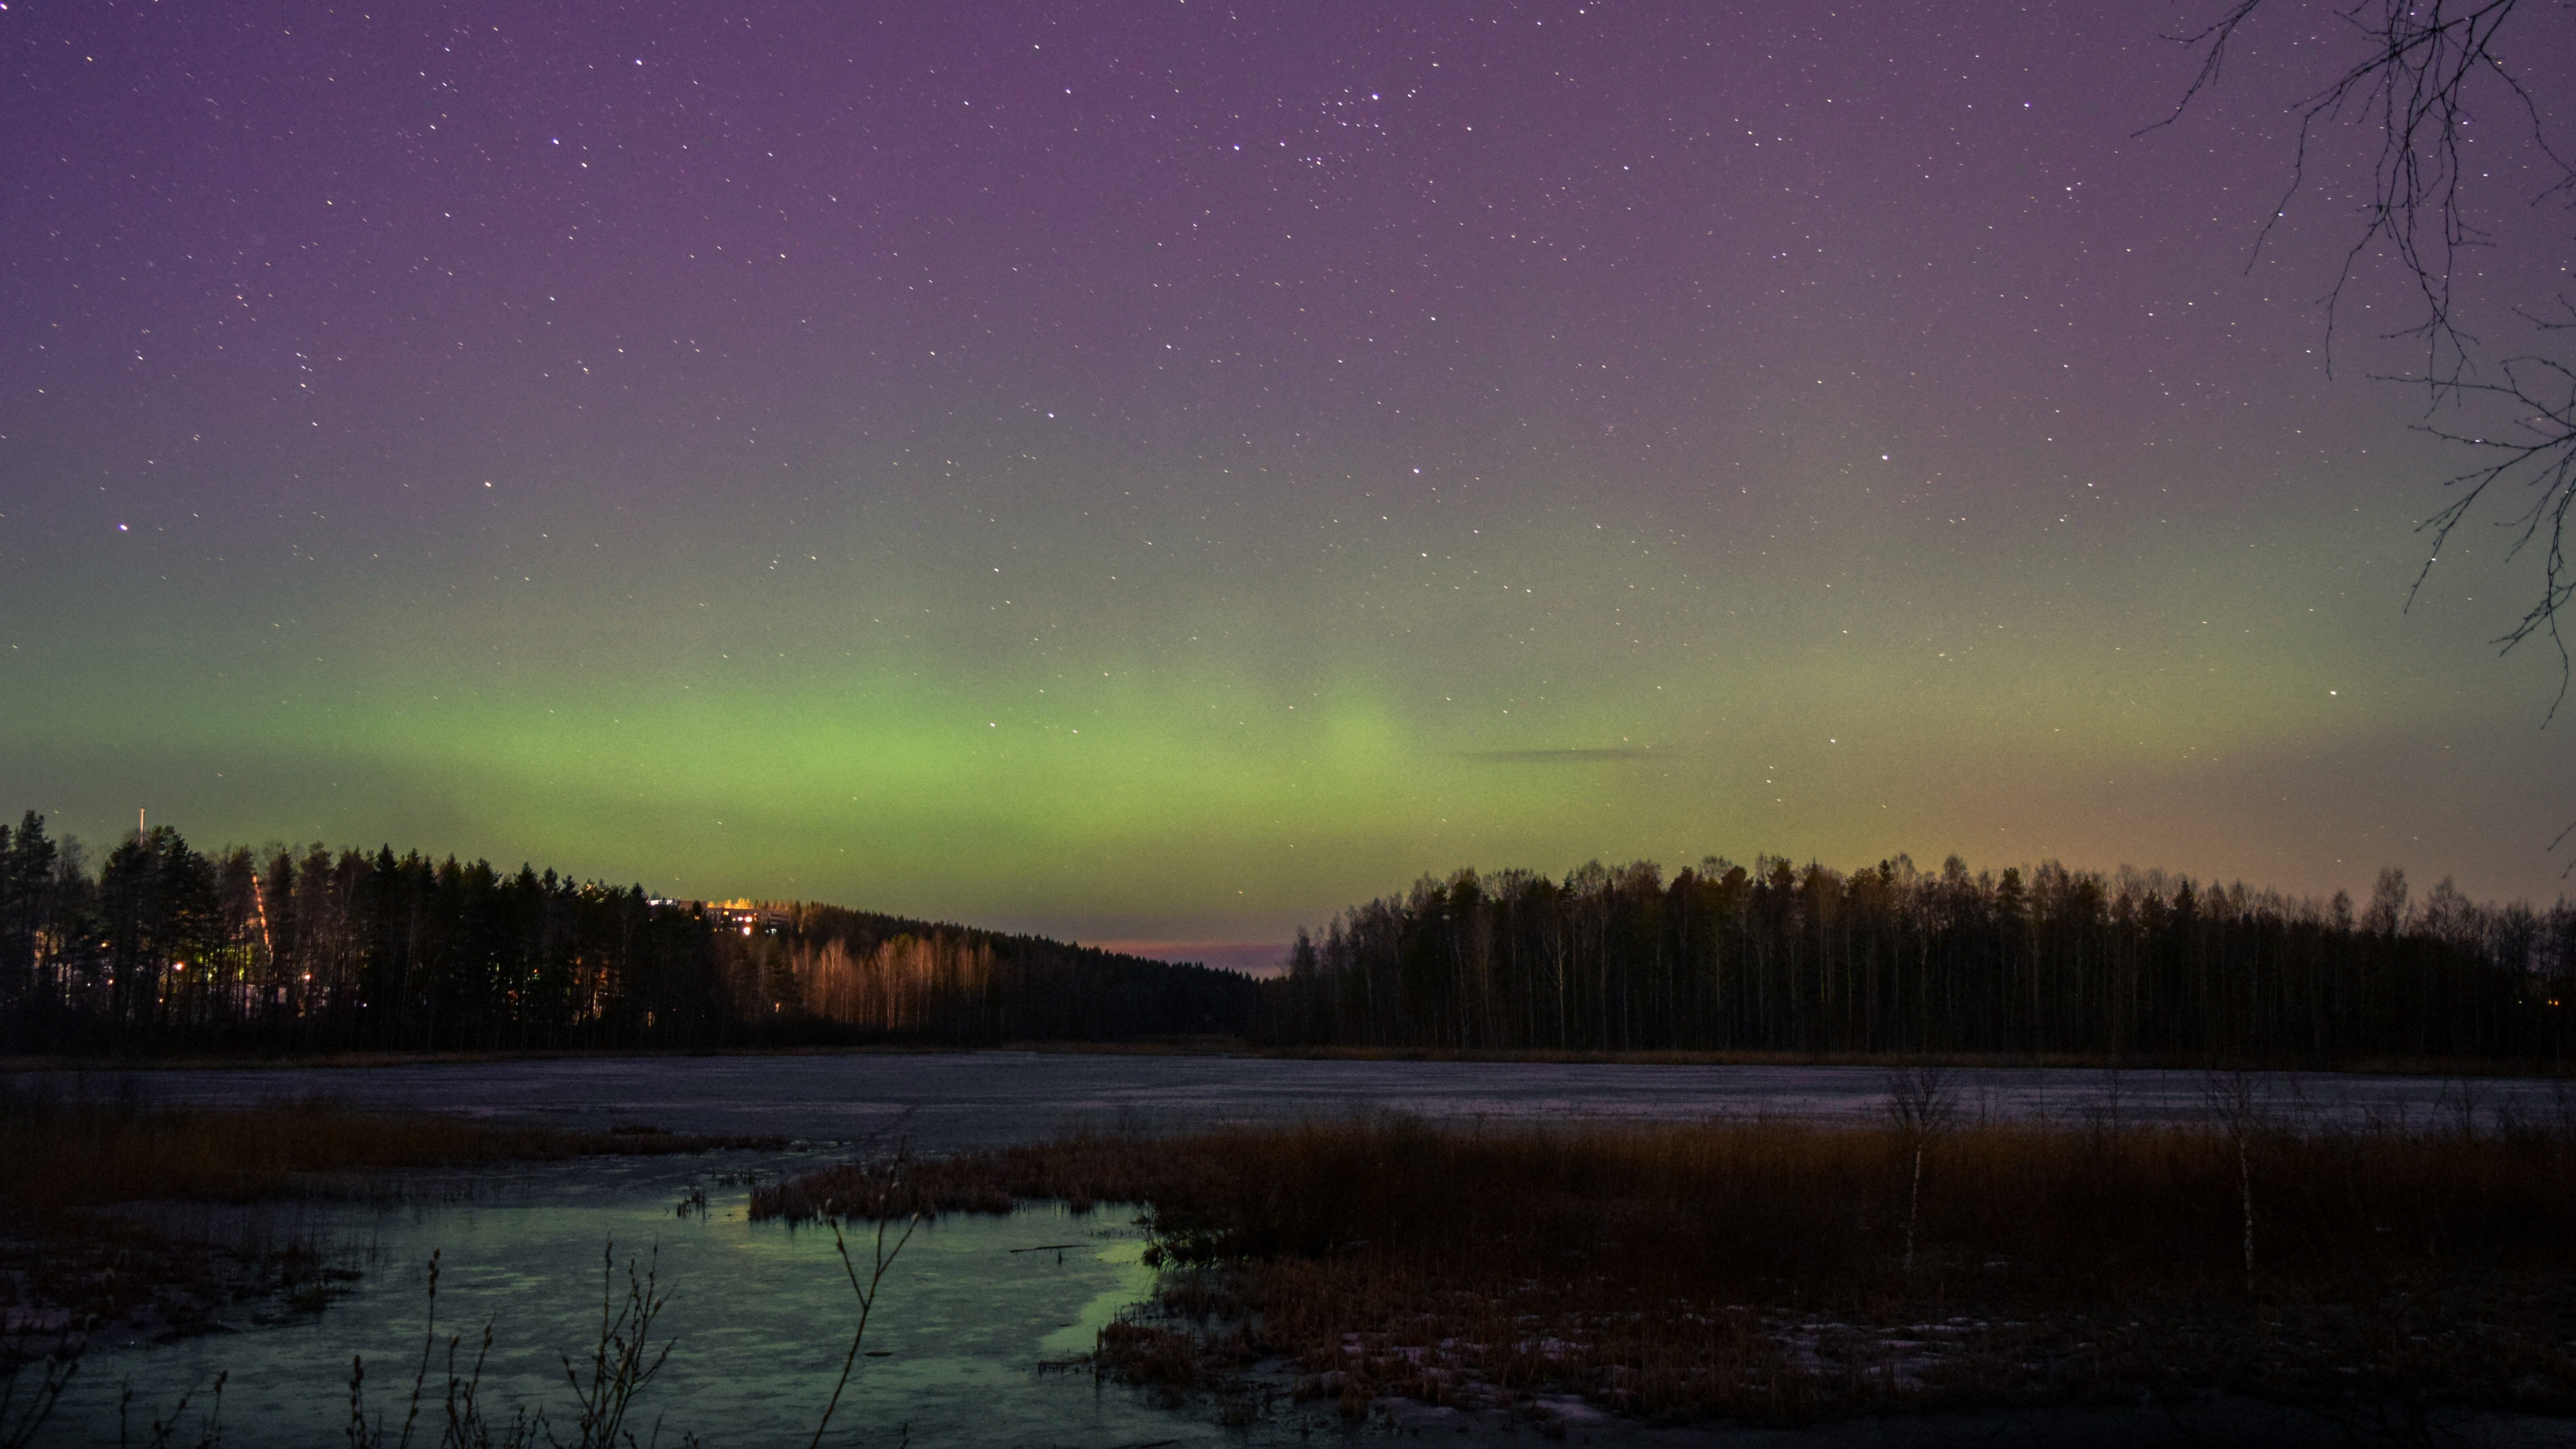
{"x": 2540, "y": 459}
{"x": 2412, "y": 84}
{"x": 2422, "y": 65}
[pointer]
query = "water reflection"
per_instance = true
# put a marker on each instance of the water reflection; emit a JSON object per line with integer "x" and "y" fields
{"x": 761, "y": 1313}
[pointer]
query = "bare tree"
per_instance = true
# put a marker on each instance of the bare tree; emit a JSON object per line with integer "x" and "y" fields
{"x": 2420, "y": 73}
{"x": 2235, "y": 1102}
{"x": 1922, "y": 1103}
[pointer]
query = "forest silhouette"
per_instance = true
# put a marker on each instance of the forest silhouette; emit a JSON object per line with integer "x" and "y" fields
{"x": 165, "y": 949}
{"x": 1776, "y": 957}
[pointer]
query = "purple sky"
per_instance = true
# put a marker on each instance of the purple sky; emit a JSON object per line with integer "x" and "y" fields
{"x": 1160, "y": 472}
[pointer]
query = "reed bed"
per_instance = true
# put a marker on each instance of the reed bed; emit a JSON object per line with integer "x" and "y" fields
{"x": 1785, "y": 1270}
{"x": 1080, "y": 1170}
{"x": 73, "y": 1153}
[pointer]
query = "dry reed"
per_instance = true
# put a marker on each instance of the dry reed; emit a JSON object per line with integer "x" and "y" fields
{"x": 1759, "y": 1269}
{"x": 66, "y": 1153}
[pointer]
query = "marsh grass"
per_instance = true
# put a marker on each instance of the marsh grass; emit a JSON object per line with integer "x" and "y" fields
{"x": 2447, "y": 1068}
{"x": 1759, "y": 1269}
{"x": 69, "y": 1152}
{"x": 1079, "y": 1170}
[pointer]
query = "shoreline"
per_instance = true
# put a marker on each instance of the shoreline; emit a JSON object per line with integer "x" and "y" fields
{"x": 1222, "y": 1047}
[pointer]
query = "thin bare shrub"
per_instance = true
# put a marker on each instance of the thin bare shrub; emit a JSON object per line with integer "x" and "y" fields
{"x": 1922, "y": 1103}
{"x": 2235, "y": 1103}
{"x": 867, "y": 1292}
{"x": 622, "y": 1364}
{"x": 26, "y": 1406}
{"x": 624, "y": 1360}
{"x": 161, "y": 1433}
{"x": 461, "y": 1422}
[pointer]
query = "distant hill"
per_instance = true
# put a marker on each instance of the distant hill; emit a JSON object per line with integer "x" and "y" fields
{"x": 891, "y": 978}
{"x": 167, "y": 949}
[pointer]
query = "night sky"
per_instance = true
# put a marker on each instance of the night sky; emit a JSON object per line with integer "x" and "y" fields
{"x": 1160, "y": 472}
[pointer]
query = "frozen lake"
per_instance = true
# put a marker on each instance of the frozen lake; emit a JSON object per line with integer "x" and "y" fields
{"x": 948, "y": 1101}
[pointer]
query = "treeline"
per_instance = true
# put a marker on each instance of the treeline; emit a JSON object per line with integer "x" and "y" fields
{"x": 163, "y": 948}
{"x": 1780, "y": 957}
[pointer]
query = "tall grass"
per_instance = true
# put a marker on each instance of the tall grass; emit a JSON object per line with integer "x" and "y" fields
{"x": 1744, "y": 1204}
{"x": 1079, "y": 1170}
{"x": 1783, "y": 1269}
{"x": 75, "y": 1152}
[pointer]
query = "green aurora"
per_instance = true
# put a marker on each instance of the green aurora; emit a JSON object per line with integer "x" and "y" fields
{"x": 1143, "y": 486}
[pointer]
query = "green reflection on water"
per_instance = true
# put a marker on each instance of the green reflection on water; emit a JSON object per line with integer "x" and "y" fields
{"x": 761, "y": 1314}
{"x": 1133, "y": 1284}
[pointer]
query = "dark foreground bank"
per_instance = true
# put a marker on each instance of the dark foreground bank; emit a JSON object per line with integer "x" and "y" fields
{"x": 1780, "y": 1273}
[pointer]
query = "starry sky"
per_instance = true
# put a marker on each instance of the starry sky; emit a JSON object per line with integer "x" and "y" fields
{"x": 1159, "y": 472}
